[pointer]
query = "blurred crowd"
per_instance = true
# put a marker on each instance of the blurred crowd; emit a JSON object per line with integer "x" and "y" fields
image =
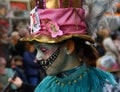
{"x": 18, "y": 57}
{"x": 108, "y": 46}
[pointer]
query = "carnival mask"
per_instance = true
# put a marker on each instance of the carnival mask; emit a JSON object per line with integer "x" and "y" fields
{"x": 46, "y": 54}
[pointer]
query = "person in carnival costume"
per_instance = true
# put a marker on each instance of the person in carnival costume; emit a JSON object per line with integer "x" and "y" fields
{"x": 64, "y": 48}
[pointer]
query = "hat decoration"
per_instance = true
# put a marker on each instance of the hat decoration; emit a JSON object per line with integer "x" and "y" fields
{"x": 52, "y": 26}
{"x": 54, "y": 29}
{"x": 34, "y": 21}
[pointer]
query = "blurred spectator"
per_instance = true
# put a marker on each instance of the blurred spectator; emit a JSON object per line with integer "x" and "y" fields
{"x": 17, "y": 65}
{"x": 4, "y": 39}
{"x": 17, "y": 46}
{"x": 1, "y": 86}
{"x": 110, "y": 60}
{"x": 4, "y": 47}
{"x": 22, "y": 29}
{"x": 5, "y": 74}
{"x": 3, "y": 10}
{"x": 116, "y": 39}
{"x": 32, "y": 69}
{"x": 22, "y": 87}
{"x": 4, "y": 26}
{"x": 99, "y": 45}
{"x": 108, "y": 44}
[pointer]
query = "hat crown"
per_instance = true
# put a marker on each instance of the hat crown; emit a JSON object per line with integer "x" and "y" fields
{"x": 53, "y": 21}
{"x": 53, "y": 4}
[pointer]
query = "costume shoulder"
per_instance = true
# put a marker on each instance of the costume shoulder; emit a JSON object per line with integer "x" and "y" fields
{"x": 90, "y": 79}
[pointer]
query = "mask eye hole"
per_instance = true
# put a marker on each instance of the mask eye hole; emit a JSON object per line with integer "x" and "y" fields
{"x": 43, "y": 49}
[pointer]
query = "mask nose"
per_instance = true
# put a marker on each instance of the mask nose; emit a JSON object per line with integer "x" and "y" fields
{"x": 39, "y": 55}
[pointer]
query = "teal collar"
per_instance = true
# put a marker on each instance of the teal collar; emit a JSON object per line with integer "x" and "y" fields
{"x": 81, "y": 79}
{"x": 68, "y": 72}
{"x": 73, "y": 74}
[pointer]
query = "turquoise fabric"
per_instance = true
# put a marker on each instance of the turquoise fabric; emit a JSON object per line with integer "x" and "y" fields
{"x": 84, "y": 79}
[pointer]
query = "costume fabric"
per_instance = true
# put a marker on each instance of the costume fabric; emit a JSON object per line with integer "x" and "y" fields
{"x": 84, "y": 79}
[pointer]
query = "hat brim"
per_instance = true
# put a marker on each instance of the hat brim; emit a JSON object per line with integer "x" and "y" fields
{"x": 49, "y": 39}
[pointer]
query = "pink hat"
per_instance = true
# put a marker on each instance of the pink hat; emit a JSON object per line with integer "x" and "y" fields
{"x": 57, "y": 20}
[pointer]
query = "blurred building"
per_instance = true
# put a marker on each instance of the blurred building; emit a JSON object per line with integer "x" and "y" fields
{"x": 15, "y": 12}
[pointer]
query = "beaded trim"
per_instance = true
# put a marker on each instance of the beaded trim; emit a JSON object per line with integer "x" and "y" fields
{"x": 60, "y": 83}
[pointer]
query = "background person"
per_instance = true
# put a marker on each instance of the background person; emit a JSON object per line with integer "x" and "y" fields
{"x": 5, "y": 74}
{"x": 17, "y": 66}
{"x": 33, "y": 71}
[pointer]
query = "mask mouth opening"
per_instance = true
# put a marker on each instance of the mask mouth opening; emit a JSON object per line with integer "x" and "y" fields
{"x": 48, "y": 62}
